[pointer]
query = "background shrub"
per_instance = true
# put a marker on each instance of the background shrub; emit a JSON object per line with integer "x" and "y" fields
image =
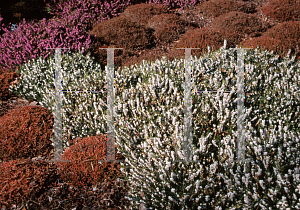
{"x": 266, "y": 43}
{"x": 167, "y": 27}
{"x": 15, "y": 11}
{"x": 289, "y": 35}
{"x": 241, "y": 23}
{"x": 282, "y": 10}
{"x": 122, "y": 33}
{"x": 204, "y": 37}
{"x": 216, "y": 8}
{"x": 30, "y": 39}
{"x": 141, "y": 13}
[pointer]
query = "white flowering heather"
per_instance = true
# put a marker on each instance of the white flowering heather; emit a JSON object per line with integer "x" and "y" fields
{"x": 154, "y": 106}
{"x": 82, "y": 116}
{"x": 149, "y": 127}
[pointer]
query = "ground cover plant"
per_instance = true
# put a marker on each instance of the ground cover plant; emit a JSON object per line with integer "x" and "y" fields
{"x": 193, "y": 18}
{"x": 154, "y": 121}
{"x": 26, "y": 132}
{"x": 149, "y": 108}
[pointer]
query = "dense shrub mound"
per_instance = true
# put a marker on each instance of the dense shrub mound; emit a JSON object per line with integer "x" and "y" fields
{"x": 141, "y": 13}
{"x": 120, "y": 32}
{"x": 219, "y": 7}
{"x": 167, "y": 27}
{"x": 282, "y": 10}
{"x": 105, "y": 195}
{"x": 26, "y": 132}
{"x": 6, "y": 77}
{"x": 266, "y": 43}
{"x": 21, "y": 180}
{"x": 84, "y": 169}
{"x": 123, "y": 32}
{"x": 241, "y": 23}
{"x": 214, "y": 181}
{"x": 288, "y": 33}
{"x": 202, "y": 38}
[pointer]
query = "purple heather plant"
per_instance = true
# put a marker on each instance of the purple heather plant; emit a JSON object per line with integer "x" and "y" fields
{"x": 98, "y": 11}
{"x": 29, "y": 40}
{"x": 69, "y": 29}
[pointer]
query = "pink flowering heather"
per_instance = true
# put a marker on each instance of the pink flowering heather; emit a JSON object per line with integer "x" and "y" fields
{"x": 97, "y": 11}
{"x": 69, "y": 29}
{"x": 30, "y": 40}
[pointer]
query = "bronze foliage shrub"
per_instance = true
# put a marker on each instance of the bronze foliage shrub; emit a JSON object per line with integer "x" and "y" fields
{"x": 21, "y": 180}
{"x": 241, "y": 23}
{"x": 282, "y": 10}
{"x": 202, "y": 38}
{"x": 120, "y": 32}
{"x": 141, "y": 13}
{"x": 26, "y": 132}
{"x": 167, "y": 27}
{"x": 265, "y": 43}
{"x": 6, "y": 77}
{"x": 216, "y": 8}
{"x": 123, "y": 32}
{"x": 84, "y": 169}
{"x": 288, "y": 33}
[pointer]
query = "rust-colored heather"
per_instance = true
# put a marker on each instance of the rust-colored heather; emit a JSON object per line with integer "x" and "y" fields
{"x": 21, "y": 180}
{"x": 26, "y": 132}
{"x": 241, "y": 23}
{"x": 265, "y": 43}
{"x": 204, "y": 37}
{"x": 123, "y": 32}
{"x": 288, "y": 33}
{"x": 6, "y": 78}
{"x": 216, "y": 8}
{"x": 142, "y": 13}
{"x": 120, "y": 32}
{"x": 282, "y": 10}
{"x": 167, "y": 27}
{"x": 84, "y": 169}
